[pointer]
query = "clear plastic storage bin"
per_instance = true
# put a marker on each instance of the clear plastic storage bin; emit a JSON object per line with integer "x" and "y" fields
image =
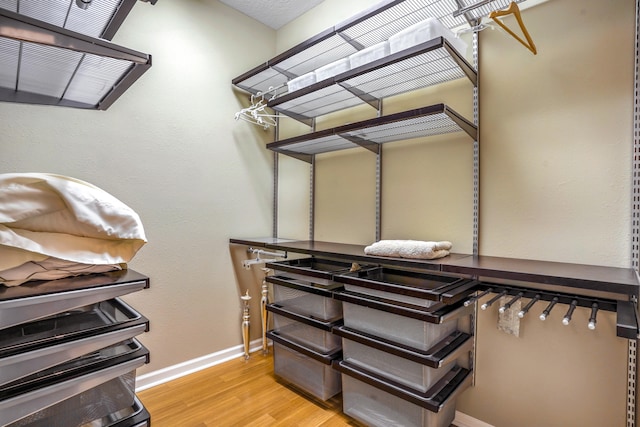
{"x": 319, "y": 339}
{"x": 395, "y": 368}
{"x": 303, "y": 299}
{"x": 399, "y": 328}
{"x": 308, "y": 374}
{"x": 378, "y": 408}
{"x": 404, "y": 286}
{"x": 316, "y": 271}
{"x": 87, "y": 407}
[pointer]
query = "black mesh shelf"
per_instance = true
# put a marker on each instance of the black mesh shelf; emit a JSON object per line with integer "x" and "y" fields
{"x": 421, "y": 122}
{"x": 366, "y": 29}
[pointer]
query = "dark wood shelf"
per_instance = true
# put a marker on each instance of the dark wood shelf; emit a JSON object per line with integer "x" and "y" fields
{"x": 565, "y": 280}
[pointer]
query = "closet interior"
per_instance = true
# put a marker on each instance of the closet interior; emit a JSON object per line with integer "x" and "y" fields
{"x": 396, "y": 336}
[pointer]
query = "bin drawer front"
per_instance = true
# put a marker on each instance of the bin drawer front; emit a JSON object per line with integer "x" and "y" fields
{"x": 29, "y": 302}
{"x": 316, "y": 270}
{"x": 40, "y": 395}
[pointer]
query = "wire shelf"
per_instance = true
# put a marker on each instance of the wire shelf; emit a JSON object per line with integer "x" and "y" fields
{"x": 422, "y": 122}
{"x": 101, "y": 19}
{"x": 423, "y": 65}
{"x": 46, "y": 64}
{"x": 364, "y": 30}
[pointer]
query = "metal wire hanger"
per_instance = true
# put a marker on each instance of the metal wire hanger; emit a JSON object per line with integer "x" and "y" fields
{"x": 256, "y": 113}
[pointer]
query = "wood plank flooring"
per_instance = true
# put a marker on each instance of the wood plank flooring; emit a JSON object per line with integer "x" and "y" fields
{"x": 238, "y": 393}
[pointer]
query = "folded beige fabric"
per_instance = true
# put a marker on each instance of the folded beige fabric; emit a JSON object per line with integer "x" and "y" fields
{"x": 414, "y": 249}
{"x": 51, "y": 269}
{"x": 55, "y": 217}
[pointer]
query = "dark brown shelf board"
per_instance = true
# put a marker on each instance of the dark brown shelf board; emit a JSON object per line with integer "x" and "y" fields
{"x": 623, "y": 281}
{"x": 580, "y": 276}
{"x": 355, "y": 253}
{"x": 372, "y": 133}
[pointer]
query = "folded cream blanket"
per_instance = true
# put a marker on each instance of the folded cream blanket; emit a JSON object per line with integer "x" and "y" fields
{"x": 52, "y": 223}
{"x": 415, "y": 249}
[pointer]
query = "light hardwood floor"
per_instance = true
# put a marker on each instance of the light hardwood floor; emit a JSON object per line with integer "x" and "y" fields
{"x": 238, "y": 393}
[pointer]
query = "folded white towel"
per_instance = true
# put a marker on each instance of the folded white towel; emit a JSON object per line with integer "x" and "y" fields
{"x": 415, "y": 249}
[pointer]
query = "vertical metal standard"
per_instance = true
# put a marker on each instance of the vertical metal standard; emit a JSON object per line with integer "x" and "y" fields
{"x": 312, "y": 199}
{"x": 476, "y": 191}
{"x": 635, "y": 223}
{"x": 379, "y": 183}
{"x": 476, "y": 147}
{"x": 275, "y": 180}
{"x": 635, "y": 184}
{"x": 379, "y": 195}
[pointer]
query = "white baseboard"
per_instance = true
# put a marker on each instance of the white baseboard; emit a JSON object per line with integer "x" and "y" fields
{"x": 169, "y": 373}
{"x": 464, "y": 420}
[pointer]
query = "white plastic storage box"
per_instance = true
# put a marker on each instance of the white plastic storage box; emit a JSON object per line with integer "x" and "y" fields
{"x": 307, "y": 370}
{"x": 377, "y": 408}
{"x": 369, "y": 54}
{"x": 424, "y": 31}
{"x": 306, "y": 331}
{"x": 409, "y": 325}
{"x": 303, "y": 298}
{"x": 404, "y": 371}
{"x": 301, "y": 82}
{"x": 317, "y": 271}
{"x": 332, "y": 69}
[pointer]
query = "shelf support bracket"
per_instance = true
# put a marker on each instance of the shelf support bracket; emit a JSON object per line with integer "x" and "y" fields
{"x": 371, "y": 146}
{"x": 365, "y": 97}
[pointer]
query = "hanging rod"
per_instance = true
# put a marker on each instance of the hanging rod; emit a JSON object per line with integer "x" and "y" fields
{"x": 471, "y": 7}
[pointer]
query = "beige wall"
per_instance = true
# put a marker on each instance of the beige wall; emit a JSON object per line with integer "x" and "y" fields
{"x": 171, "y": 149}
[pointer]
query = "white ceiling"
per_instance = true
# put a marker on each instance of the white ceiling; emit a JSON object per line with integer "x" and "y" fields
{"x": 273, "y": 13}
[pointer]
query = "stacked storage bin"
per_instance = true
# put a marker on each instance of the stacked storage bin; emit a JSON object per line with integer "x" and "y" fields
{"x": 68, "y": 355}
{"x": 304, "y": 314}
{"x": 405, "y": 352}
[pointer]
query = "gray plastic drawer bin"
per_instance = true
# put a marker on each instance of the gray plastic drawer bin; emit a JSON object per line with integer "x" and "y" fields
{"x": 32, "y": 396}
{"x": 306, "y": 331}
{"x": 31, "y": 347}
{"x": 399, "y": 369}
{"x": 304, "y": 368}
{"x": 36, "y": 300}
{"x": 376, "y": 401}
{"x": 315, "y": 270}
{"x": 405, "y": 286}
{"x": 406, "y": 324}
{"x": 303, "y": 298}
{"x": 376, "y": 408}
